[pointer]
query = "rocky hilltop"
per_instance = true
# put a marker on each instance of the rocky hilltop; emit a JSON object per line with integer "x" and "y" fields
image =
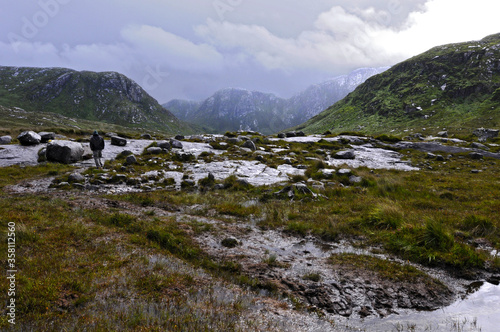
{"x": 238, "y": 109}
{"x": 109, "y": 97}
{"x": 455, "y": 85}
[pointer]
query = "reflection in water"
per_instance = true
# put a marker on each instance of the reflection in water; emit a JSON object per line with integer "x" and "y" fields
{"x": 478, "y": 311}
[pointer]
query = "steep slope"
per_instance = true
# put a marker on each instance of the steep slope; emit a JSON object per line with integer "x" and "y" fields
{"x": 238, "y": 109}
{"x": 455, "y": 85}
{"x": 318, "y": 97}
{"x": 234, "y": 109}
{"x": 110, "y": 97}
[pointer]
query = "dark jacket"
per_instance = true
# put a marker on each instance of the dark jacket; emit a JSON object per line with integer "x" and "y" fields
{"x": 96, "y": 143}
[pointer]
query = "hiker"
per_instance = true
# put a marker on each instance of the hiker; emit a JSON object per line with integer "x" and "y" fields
{"x": 97, "y": 145}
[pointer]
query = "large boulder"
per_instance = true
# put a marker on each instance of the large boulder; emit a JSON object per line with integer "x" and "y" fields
{"x": 29, "y": 138}
{"x": 5, "y": 140}
{"x": 485, "y": 134}
{"x": 65, "y": 152}
{"x": 118, "y": 141}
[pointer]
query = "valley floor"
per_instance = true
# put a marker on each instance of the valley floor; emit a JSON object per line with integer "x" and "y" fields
{"x": 297, "y": 245}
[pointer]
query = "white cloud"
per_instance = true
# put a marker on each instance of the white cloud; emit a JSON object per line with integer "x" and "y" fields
{"x": 361, "y": 38}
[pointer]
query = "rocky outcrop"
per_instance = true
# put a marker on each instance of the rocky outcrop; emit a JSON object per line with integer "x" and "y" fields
{"x": 65, "y": 152}
{"x": 485, "y": 134}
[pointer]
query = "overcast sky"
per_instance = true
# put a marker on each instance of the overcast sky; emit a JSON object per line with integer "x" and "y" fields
{"x": 189, "y": 49}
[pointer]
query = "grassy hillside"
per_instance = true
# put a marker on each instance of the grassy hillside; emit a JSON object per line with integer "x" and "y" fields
{"x": 108, "y": 97}
{"x": 456, "y": 86}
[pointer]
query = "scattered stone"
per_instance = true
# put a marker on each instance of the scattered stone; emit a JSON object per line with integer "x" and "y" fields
{"x": 440, "y": 158}
{"x": 443, "y": 134}
{"x": 281, "y": 135}
{"x": 229, "y": 242}
{"x": 176, "y": 144}
{"x": 355, "y": 179}
{"x": 46, "y": 136}
{"x": 475, "y": 171}
{"x": 146, "y": 136}
{"x": 430, "y": 156}
{"x": 250, "y": 145}
{"x": 124, "y": 154}
{"x": 42, "y": 155}
{"x": 131, "y": 160}
{"x": 111, "y": 134}
{"x": 118, "y": 141}
{"x": 65, "y": 152}
{"x": 154, "y": 150}
{"x": 76, "y": 177}
{"x": 476, "y": 155}
{"x": 29, "y": 138}
{"x": 233, "y": 140}
{"x": 476, "y": 145}
{"x": 179, "y": 137}
{"x": 348, "y": 154}
{"x": 164, "y": 145}
{"x": 78, "y": 185}
{"x": 291, "y": 134}
{"x": 4, "y": 140}
{"x": 485, "y": 134}
{"x": 300, "y": 134}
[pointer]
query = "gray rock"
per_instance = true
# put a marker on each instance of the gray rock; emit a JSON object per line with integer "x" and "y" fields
{"x": 233, "y": 140}
{"x": 65, "y": 152}
{"x": 300, "y": 134}
{"x": 348, "y": 154}
{"x": 4, "y": 140}
{"x": 476, "y": 155}
{"x": 476, "y": 145}
{"x": 76, "y": 177}
{"x": 229, "y": 242}
{"x": 344, "y": 171}
{"x": 250, "y": 145}
{"x": 29, "y": 138}
{"x": 131, "y": 160}
{"x": 430, "y": 156}
{"x": 355, "y": 179}
{"x": 46, "y": 136}
{"x": 485, "y": 134}
{"x": 443, "y": 134}
{"x": 111, "y": 134}
{"x": 281, "y": 135}
{"x": 164, "y": 145}
{"x": 291, "y": 134}
{"x": 146, "y": 136}
{"x": 176, "y": 144}
{"x": 440, "y": 158}
{"x": 154, "y": 150}
{"x": 118, "y": 141}
{"x": 179, "y": 137}
{"x": 42, "y": 155}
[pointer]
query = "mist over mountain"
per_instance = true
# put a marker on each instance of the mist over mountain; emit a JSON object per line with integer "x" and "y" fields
{"x": 453, "y": 86}
{"x": 238, "y": 109}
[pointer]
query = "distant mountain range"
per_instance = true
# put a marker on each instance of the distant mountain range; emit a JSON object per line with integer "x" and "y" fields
{"x": 107, "y": 97}
{"x": 452, "y": 86}
{"x": 238, "y": 109}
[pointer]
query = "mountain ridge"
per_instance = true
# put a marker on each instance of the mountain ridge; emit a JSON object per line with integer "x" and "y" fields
{"x": 240, "y": 109}
{"x": 454, "y": 85}
{"x": 106, "y": 96}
